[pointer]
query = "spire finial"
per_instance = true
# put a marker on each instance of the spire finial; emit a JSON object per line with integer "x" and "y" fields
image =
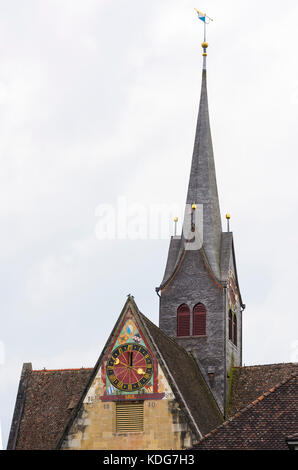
{"x": 228, "y": 216}
{"x": 206, "y": 19}
{"x": 175, "y": 222}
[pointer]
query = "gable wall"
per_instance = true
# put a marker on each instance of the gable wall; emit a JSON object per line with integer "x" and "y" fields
{"x": 165, "y": 426}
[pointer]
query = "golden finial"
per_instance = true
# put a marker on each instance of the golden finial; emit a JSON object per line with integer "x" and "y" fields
{"x": 228, "y": 216}
{"x": 193, "y": 207}
{"x": 175, "y": 221}
{"x": 206, "y": 20}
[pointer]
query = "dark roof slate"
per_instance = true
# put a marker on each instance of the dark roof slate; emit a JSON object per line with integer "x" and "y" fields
{"x": 250, "y": 382}
{"x": 264, "y": 424}
{"x": 174, "y": 255}
{"x": 188, "y": 379}
{"x": 225, "y": 254}
{"x": 50, "y": 397}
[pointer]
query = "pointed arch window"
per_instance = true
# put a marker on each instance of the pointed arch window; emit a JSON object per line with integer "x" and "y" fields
{"x": 233, "y": 327}
{"x": 183, "y": 320}
{"x": 199, "y": 320}
{"x": 230, "y": 325}
{"x": 235, "y": 330}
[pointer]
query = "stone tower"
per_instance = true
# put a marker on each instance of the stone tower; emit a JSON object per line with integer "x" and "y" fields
{"x": 200, "y": 301}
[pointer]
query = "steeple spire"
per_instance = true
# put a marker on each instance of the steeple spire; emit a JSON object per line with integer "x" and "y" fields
{"x": 202, "y": 187}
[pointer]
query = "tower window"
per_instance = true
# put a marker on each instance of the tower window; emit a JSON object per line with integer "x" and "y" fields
{"x": 235, "y": 330}
{"x": 183, "y": 320}
{"x": 230, "y": 325}
{"x": 199, "y": 320}
{"x": 130, "y": 417}
{"x": 233, "y": 327}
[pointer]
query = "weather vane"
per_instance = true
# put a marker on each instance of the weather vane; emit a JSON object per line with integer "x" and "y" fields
{"x": 206, "y": 20}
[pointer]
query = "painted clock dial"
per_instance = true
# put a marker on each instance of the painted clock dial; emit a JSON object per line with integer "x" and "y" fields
{"x": 129, "y": 367}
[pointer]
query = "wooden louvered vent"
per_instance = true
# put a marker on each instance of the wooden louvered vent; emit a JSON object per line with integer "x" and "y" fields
{"x": 199, "y": 320}
{"x": 183, "y": 320}
{"x": 130, "y": 417}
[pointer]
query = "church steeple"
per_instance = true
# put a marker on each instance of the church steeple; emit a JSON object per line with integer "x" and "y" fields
{"x": 202, "y": 187}
{"x": 199, "y": 294}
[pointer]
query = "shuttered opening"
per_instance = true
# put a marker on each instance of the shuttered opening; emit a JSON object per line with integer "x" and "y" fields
{"x": 130, "y": 417}
{"x": 199, "y": 320}
{"x": 235, "y": 330}
{"x": 183, "y": 320}
{"x": 230, "y": 326}
{"x": 233, "y": 327}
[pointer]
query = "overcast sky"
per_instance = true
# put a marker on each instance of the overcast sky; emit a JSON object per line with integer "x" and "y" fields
{"x": 98, "y": 101}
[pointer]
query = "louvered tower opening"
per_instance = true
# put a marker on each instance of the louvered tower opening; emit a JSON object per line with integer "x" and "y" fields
{"x": 130, "y": 417}
{"x": 199, "y": 320}
{"x": 183, "y": 320}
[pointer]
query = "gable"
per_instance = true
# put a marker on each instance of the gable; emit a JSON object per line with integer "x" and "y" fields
{"x": 129, "y": 339}
{"x": 112, "y": 414}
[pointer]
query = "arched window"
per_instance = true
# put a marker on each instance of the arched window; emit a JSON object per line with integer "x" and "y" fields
{"x": 199, "y": 320}
{"x": 183, "y": 320}
{"x": 235, "y": 330}
{"x": 230, "y": 325}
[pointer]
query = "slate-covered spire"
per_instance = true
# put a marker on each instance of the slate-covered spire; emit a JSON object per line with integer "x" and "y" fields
{"x": 202, "y": 188}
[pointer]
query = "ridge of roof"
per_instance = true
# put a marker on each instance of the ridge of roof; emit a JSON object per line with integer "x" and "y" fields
{"x": 266, "y": 365}
{"x": 250, "y": 405}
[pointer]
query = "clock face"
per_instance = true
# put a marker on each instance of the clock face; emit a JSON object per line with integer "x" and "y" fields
{"x": 129, "y": 367}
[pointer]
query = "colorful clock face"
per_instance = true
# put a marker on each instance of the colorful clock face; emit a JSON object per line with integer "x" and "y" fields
{"x": 129, "y": 367}
{"x": 232, "y": 290}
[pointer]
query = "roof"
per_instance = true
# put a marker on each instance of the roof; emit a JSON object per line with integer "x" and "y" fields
{"x": 186, "y": 376}
{"x": 264, "y": 424}
{"x": 49, "y": 399}
{"x": 252, "y": 381}
{"x": 202, "y": 190}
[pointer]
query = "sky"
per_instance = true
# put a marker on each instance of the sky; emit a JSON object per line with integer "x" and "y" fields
{"x": 98, "y": 106}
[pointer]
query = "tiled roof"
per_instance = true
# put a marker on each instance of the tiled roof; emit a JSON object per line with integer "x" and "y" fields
{"x": 50, "y": 397}
{"x": 252, "y": 381}
{"x": 263, "y": 424}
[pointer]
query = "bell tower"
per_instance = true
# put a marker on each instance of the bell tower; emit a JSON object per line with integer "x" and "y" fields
{"x": 200, "y": 303}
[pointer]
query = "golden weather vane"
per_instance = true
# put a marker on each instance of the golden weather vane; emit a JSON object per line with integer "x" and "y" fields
{"x": 206, "y": 20}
